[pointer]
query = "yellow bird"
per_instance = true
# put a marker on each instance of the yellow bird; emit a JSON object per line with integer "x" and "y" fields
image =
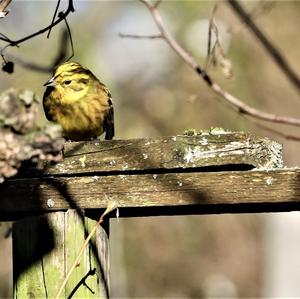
{"x": 79, "y": 102}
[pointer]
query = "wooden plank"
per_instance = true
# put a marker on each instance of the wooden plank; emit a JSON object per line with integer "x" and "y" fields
{"x": 32, "y": 239}
{"x": 194, "y": 189}
{"x": 45, "y": 248}
{"x": 203, "y": 150}
{"x": 94, "y": 261}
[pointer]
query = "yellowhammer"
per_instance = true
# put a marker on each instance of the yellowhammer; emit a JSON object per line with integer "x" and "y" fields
{"x": 79, "y": 102}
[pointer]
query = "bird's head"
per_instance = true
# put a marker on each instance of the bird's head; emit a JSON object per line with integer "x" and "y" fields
{"x": 70, "y": 78}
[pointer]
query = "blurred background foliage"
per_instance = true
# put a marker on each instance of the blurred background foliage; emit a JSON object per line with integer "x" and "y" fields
{"x": 156, "y": 94}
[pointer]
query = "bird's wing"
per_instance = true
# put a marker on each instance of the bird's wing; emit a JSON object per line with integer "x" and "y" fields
{"x": 108, "y": 123}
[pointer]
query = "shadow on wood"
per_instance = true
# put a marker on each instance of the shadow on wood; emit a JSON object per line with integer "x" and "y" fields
{"x": 46, "y": 246}
{"x": 177, "y": 175}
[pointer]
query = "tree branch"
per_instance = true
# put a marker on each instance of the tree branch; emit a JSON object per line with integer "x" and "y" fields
{"x": 138, "y": 36}
{"x": 279, "y": 133}
{"x": 8, "y": 66}
{"x": 275, "y": 54}
{"x": 58, "y": 59}
{"x": 216, "y": 88}
{"x": 3, "y": 6}
{"x": 61, "y": 17}
{"x": 54, "y": 16}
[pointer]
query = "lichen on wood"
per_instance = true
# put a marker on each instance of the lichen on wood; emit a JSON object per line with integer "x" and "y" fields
{"x": 205, "y": 149}
{"x": 21, "y": 139}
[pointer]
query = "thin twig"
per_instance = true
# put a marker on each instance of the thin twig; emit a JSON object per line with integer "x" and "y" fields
{"x": 63, "y": 49}
{"x": 137, "y": 36}
{"x": 28, "y": 64}
{"x": 210, "y": 28}
{"x": 5, "y": 37}
{"x": 156, "y": 3}
{"x": 61, "y": 18}
{"x": 110, "y": 208}
{"x": 83, "y": 282}
{"x": 279, "y": 133}
{"x": 231, "y": 99}
{"x": 262, "y": 7}
{"x": 54, "y": 16}
{"x": 216, "y": 54}
{"x": 277, "y": 57}
{"x": 59, "y": 58}
{"x": 3, "y": 6}
{"x": 70, "y": 37}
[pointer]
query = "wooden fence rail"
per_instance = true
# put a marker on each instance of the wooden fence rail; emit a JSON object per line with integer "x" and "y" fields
{"x": 212, "y": 172}
{"x": 203, "y": 170}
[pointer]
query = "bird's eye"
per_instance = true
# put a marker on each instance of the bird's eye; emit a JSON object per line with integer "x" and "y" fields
{"x": 67, "y": 82}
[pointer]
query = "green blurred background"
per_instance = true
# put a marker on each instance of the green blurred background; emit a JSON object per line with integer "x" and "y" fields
{"x": 156, "y": 94}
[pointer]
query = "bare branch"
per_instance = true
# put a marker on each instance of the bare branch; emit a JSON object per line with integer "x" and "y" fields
{"x": 211, "y": 22}
{"x": 277, "y": 57}
{"x": 61, "y": 17}
{"x": 54, "y": 16}
{"x": 156, "y": 3}
{"x": 70, "y": 37}
{"x": 232, "y": 100}
{"x": 5, "y": 37}
{"x": 63, "y": 49}
{"x": 216, "y": 54}
{"x": 8, "y": 66}
{"x": 29, "y": 65}
{"x": 262, "y": 7}
{"x": 279, "y": 133}
{"x": 137, "y": 36}
{"x": 3, "y": 6}
{"x": 59, "y": 58}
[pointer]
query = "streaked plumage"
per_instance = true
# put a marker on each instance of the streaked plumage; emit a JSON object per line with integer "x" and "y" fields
{"x": 79, "y": 102}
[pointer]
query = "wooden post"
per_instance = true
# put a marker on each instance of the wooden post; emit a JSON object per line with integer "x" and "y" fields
{"x": 44, "y": 248}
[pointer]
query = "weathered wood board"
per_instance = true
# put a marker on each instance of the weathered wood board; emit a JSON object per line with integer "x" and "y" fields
{"x": 210, "y": 189}
{"x": 175, "y": 152}
{"x": 204, "y": 171}
{"x": 45, "y": 247}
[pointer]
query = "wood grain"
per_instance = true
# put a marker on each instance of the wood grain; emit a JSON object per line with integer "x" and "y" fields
{"x": 175, "y": 152}
{"x": 210, "y": 189}
{"x": 45, "y": 248}
{"x": 207, "y": 170}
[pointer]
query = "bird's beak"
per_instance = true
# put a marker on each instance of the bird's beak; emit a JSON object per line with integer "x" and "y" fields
{"x": 50, "y": 82}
